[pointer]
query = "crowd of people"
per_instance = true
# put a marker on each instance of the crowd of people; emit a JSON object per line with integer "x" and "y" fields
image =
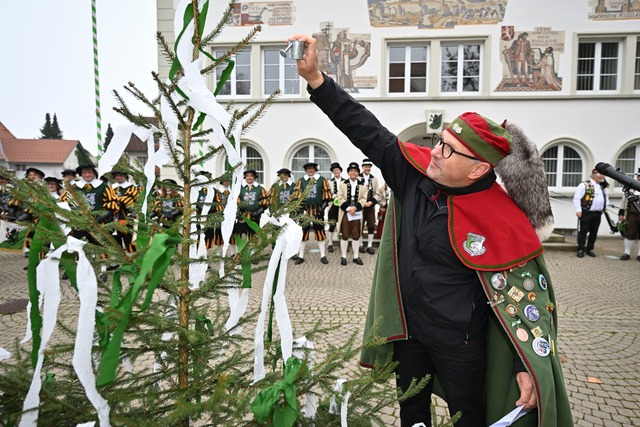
{"x": 317, "y": 203}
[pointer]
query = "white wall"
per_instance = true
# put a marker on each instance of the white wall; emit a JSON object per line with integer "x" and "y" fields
{"x": 599, "y": 126}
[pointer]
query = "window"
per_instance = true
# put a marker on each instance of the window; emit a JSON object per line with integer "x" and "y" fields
{"x": 239, "y": 82}
{"x": 460, "y": 68}
{"x": 142, "y": 160}
{"x": 563, "y": 166}
{"x": 636, "y": 76}
{"x": 280, "y": 73}
{"x": 254, "y": 161}
{"x": 598, "y": 66}
{"x": 21, "y": 167}
{"x": 408, "y": 69}
{"x": 629, "y": 161}
{"x": 311, "y": 153}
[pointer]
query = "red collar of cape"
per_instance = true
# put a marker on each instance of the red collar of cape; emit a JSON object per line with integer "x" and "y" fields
{"x": 487, "y": 230}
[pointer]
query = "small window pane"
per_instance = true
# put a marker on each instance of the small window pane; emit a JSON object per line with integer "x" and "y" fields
{"x": 396, "y": 70}
{"x": 418, "y": 85}
{"x": 396, "y": 86}
{"x": 396, "y": 54}
{"x": 255, "y": 161}
{"x": 418, "y": 54}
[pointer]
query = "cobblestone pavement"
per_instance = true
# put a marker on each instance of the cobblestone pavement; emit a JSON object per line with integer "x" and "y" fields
{"x": 599, "y": 319}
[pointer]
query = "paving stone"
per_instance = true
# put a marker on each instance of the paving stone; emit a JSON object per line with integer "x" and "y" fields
{"x": 599, "y": 322}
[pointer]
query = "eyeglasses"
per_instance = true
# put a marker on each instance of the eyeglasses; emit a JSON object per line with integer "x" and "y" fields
{"x": 446, "y": 149}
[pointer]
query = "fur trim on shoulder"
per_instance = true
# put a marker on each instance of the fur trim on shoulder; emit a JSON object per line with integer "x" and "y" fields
{"x": 523, "y": 176}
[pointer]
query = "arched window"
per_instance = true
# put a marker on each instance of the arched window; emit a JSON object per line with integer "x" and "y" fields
{"x": 255, "y": 161}
{"x": 629, "y": 161}
{"x": 311, "y": 153}
{"x": 563, "y": 166}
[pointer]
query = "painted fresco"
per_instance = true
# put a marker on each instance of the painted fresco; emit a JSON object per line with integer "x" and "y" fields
{"x": 341, "y": 53}
{"x": 606, "y": 10}
{"x": 435, "y": 14}
{"x": 263, "y": 13}
{"x": 530, "y": 60}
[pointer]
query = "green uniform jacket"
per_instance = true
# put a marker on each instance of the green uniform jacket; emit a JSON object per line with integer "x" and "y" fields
{"x": 502, "y": 391}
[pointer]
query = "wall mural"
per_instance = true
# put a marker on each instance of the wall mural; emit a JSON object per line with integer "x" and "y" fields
{"x": 435, "y": 14}
{"x": 606, "y": 10}
{"x": 530, "y": 60}
{"x": 341, "y": 53}
{"x": 263, "y": 13}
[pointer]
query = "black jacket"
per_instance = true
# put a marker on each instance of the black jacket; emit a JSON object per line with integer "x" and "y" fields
{"x": 443, "y": 299}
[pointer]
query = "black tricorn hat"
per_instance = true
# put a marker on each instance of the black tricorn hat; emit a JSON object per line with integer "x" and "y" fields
{"x": 310, "y": 165}
{"x": 36, "y": 170}
{"x": 69, "y": 172}
{"x": 335, "y": 165}
{"x": 87, "y": 166}
{"x": 284, "y": 170}
{"x": 168, "y": 181}
{"x": 353, "y": 165}
{"x": 54, "y": 179}
{"x": 251, "y": 171}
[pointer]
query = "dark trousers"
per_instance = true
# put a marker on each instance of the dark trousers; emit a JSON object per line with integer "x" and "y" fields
{"x": 589, "y": 223}
{"x": 461, "y": 371}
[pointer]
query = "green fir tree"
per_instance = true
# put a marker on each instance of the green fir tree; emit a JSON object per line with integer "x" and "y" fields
{"x": 108, "y": 136}
{"x": 46, "y": 130}
{"x": 56, "y": 133}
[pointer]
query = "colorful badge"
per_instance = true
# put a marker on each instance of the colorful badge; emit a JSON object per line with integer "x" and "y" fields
{"x": 542, "y": 281}
{"x": 550, "y": 306}
{"x": 531, "y": 313}
{"x": 531, "y": 296}
{"x": 496, "y": 299}
{"x": 528, "y": 284}
{"x": 511, "y": 310}
{"x": 522, "y": 335}
{"x": 515, "y": 294}
{"x": 537, "y": 332}
{"x": 498, "y": 281}
{"x": 541, "y": 347}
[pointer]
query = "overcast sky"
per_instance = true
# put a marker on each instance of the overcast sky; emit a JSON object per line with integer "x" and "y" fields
{"x": 46, "y": 63}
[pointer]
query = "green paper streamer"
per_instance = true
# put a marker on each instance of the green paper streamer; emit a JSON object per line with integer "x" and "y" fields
{"x": 224, "y": 76}
{"x": 266, "y": 404}
{"x": 156, "y": 261}
{"x": 245, "y": 261}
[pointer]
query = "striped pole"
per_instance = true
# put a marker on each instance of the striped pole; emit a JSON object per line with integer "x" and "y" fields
{"x": 96, "y": 73}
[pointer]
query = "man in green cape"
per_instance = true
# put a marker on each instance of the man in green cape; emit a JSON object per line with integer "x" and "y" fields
{"x": 461, "y": 289}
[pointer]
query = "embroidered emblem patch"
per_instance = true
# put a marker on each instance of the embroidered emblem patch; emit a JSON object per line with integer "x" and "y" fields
{"x": 457, "y": 128}
{"x": 474, "y": 244}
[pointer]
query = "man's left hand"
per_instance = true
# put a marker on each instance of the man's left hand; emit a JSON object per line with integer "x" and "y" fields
{"x": 527, "y": 392}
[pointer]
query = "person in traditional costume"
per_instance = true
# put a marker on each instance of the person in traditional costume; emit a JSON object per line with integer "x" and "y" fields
{"x": 127, "y": 194}
{"x": 282, "y": 191}
{"x": 589, "y": 201}
{"x": 352, "y": 196}
{"x": 369, "y": 212}
{"x": 630, "y": 217}
{"x": 100, "y": 197}
{"x": 317, "y": 195}
{"x": 461, "y": 291}
{"x": 333, "y": 209}
{"x": 252, "y": 202}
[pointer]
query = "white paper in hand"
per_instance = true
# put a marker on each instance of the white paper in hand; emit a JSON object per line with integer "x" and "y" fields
{"x": 511, "y": 417}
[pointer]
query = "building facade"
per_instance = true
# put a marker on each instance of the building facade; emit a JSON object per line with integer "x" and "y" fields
{"x": 567, "y": 72}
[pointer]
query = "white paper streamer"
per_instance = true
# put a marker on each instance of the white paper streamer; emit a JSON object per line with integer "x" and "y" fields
{"x": 311, "y": 402}
{"x": 47, "y": 274}
{"x": 4, "y": 354}
{"x": 198, "y": 250}
{"x": 333, "y": 407}
{"x": 199, "y": 97}
{"x": 287, "y": 245}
